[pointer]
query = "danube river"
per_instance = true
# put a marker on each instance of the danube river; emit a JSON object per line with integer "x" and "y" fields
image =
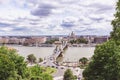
{"x": 71, "y": 54}
{"x": 75, "y": 53}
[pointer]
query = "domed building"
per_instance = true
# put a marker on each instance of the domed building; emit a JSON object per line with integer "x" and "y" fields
{"x": 72, "y": 36}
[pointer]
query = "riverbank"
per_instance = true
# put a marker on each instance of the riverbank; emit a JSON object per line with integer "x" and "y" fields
{"x": 71, "y": 54}
{"x": 53, "y": 45}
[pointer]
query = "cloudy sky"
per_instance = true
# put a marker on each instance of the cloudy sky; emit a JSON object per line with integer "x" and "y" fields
{"x": 56, "y": 17}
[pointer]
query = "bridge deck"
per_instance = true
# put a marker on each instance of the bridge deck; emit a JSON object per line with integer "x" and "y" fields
{"x": 58, "y": 52}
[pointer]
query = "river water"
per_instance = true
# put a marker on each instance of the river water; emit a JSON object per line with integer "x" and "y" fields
{"x": 71, "y": 54}
{"x": 75, "y": 53}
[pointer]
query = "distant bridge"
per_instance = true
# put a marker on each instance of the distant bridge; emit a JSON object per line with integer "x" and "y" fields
{"x": 60, "y": 48}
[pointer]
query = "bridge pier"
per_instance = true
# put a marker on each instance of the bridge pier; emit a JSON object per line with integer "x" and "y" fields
{"x": 59, "y": 50}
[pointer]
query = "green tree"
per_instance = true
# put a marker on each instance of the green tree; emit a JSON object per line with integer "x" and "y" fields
{"x": 31, "y": 58}
{"x": 36, "y": 78}
{"x": 21, "y": 67}
{"x": 68, "y": 75}
{"x": 82, "y": 40}
{"x": 36, "y": 70}
{"x": 13, "y": 67}
{"x": 47, "y": 77}
{"x": 73, "y": 41}
{"x": 7, "y": 67}
{"x": 105, "y": 63}
{"x": 51, "y": 41}
{"x": 38, "y": 73}
{"x": 83, "y": 60}
{"x": 21, "y": 71}
{"x": 115, "y": 34}
{"x": 40, "y": 60}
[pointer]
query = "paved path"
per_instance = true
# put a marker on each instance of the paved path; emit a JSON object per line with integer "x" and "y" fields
{"x": 58, "y": 78}
{"x": 49, "y": 62}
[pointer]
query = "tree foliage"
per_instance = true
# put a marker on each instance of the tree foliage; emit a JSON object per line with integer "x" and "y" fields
{"x": 47, "y": 77}
{"x": 40, "y": 60}
{"x": 38, "y": 73}
{"x": 78, "y": 41}
{"x": 51, "y": 41}
{"x": 83, "y": 60}
{"x": 68, "y": 75}
{"x": 105, "y": 64}
{"x": 7, "y": 67}
{"x": 82, "y": 40}
{"x": 20, "y": 69}
{"x": 31, "y": 58}
{"x": 13, "y": 67}
{"x": 115, "y": 34}
{"x": 73, "y": 41}
{"x": 36, "y": 70}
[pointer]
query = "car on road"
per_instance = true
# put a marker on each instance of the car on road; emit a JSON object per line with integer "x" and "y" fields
{"x": 53, "y": 66}
{"x": 44, "y": 63}
{"x": 62, "y": 67}
{"x": 57, "y": 67}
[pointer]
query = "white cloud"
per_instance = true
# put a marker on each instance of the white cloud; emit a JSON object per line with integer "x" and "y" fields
{"x": 39, "y": 17}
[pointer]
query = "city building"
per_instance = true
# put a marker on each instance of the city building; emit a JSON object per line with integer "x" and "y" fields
{"x": 99, "y": 40}
{"x": 72, "y": 36}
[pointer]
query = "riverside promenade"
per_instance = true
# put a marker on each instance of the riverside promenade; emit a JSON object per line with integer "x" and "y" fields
{"x": 50, "y": 61}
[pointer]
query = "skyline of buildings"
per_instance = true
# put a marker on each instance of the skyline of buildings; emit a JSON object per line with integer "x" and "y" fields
{"x": 49, "y": 40}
